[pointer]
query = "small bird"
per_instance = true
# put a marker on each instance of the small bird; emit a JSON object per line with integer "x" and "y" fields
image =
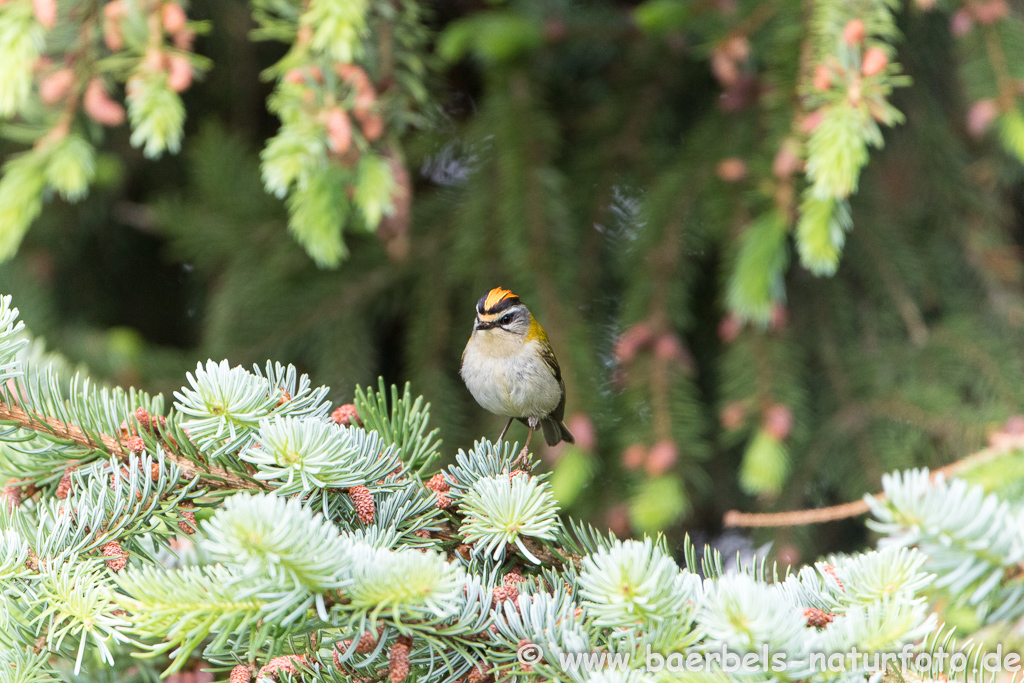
{"x": 510, "y": 369}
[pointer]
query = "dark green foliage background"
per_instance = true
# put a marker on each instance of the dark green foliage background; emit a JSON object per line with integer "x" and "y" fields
{"x": 588, "y": 186}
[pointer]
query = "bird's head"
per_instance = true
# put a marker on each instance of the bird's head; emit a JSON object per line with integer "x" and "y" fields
{"x": 499, "y": 313}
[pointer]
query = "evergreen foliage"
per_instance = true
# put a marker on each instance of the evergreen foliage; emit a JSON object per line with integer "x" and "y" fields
{"x": 773, "y": 242}
{"x": 154, "y": 546}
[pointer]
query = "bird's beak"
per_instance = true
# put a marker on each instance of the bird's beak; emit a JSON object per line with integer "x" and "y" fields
{"x": 481, "y": 325}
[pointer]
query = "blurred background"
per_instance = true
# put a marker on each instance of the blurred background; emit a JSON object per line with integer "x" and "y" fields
{"x": 611, "y": 163}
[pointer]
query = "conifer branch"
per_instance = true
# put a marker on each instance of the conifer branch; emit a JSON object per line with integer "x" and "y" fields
{"x": 287, "y": 575}
{"x": 736, "y": 518}
{"x": 908, "y": 309}
{"x": 214, "y": 477}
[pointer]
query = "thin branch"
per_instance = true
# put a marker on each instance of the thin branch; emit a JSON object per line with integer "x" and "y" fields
{"x": 908, "y": 309}
{"x": 214, "y": 477}
{"x": 734, "y": 518}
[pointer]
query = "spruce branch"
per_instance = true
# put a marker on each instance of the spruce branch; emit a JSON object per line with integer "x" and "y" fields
{"x": 635, "y": 581}
{"x": 378, "y": 574}
{"x": 506, "y": 509}
{"x": 290, "y": 557}
{"x": 17, "y": 666}
{"x": 213, "y": 477}
{"x": 404, "y": 424}
{"x": 188, "y": 605}
{"x": 735, "y": 518}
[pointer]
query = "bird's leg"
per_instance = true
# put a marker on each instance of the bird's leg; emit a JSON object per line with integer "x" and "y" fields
{"x": 532, "y": 422}
{"x": 505, "y": 430}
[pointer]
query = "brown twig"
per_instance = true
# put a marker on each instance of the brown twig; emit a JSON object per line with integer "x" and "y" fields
{"x": 910, "y": 313}
{"x": 1004, "y": 79}
{"x": 214, "y": 477}
{"x": 735, "y": 518}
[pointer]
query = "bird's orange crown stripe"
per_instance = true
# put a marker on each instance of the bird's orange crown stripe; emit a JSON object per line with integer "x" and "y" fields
{"x": 495, "y": 296}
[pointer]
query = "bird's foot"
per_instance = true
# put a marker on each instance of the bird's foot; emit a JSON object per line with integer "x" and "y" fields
{"x": 532, "y": 422}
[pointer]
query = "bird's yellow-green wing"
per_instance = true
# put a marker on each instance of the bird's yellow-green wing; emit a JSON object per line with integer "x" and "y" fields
{"x": 537, "y": 334}
{"x": 548, "y": 355}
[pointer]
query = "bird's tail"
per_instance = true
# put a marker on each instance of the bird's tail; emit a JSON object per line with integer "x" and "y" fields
{"x": 555, "y": 431}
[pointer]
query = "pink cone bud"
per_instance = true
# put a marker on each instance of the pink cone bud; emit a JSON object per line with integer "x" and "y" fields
{"x": 617, "y": 519}
{"x": 669, "y": 347}
{"x": 46, "y": 12}
{"x": 731, "y": 170}
{"x": 10, "y": 496}
{"x": 874, "y": 62}
{"x": 822, "y": 77}
{"x": 634, "y": 456}
{"x": 729, "y": 328}
{"x": 926, "y": 5}
{"x": 133, "y": 86}
{"x": 115, "y": 9}
{"x": 811, "y": 121}
{"x": 726, "y": 7}
{"x": 980, "y": 116}
{"x": 354, "y": 76}
{"x": 961, "y": 23}
{"x": 113, "y": 12}
{"x": 55, "y": 86}
{"x": 184, "y": 38}
{"x": 100, "y": 107}
{"x": 155, "y": 59}
{"x": 346, "y": 70}
{"x": 854, "y": 92}
{"x": 737, "y": 47}
{"x": 789, "y": 555}
{"x": 339, "y": 130}
{"x": 778, "y": 420}
{"x": 179, "y": 73}
{"x": 787, "y": 161}
{"x": 173, "y": 17}
{"x": 1014, "y": 425}
{"x": 724, "y": 67}
{"x": 662, "y": 458}
{"x": 743, "y": 92}
{"x": 854, "y": 32}
{"x": 112, "y": 36}
{"x": 990, "y": 12}
{"x": 347, "y": 415}
{"x": 582, "y": 427}
{"x": 373, "y": 127}
{"x": 733, "y": 415}
{"x": 779, "y": 317}
{"x": 555, "y": 30}
{"x": 631, "y": 341}
{"x": 364, "y": 100}
{"x": 55, "y": 134}
{"x": 294, "y": 76}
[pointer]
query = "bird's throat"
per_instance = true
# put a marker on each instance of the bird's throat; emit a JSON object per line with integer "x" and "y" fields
{"x": 498, "y": 343}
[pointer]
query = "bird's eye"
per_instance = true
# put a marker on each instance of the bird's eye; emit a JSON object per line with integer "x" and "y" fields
{"x": 505, "y": 319}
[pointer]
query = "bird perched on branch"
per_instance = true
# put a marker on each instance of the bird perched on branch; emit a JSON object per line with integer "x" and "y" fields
{"x": 510, "y": 369}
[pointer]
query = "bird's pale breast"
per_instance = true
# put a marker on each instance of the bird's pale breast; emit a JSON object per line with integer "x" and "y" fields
{"x": 513, "y": 382}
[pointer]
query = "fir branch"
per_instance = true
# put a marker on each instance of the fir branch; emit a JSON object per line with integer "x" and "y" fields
{"x": 186, "y": 606}
{"x": 17, "y": 666}
{"x": 213, "y": 477}
{"x": 404, "y": 424}
{"x": 506, "y": 509}
{"x": 735, "y": 518}
{"x": 632, "y": 582}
